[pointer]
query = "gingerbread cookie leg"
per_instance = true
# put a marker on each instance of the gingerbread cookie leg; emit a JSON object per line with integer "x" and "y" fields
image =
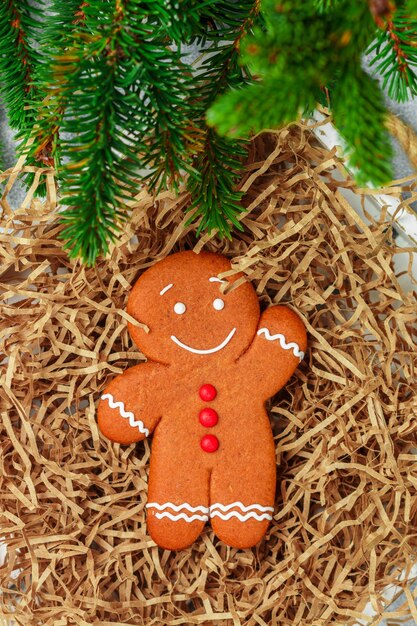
{"x": 178, "y": 500}
{"x": 242, "y": 493}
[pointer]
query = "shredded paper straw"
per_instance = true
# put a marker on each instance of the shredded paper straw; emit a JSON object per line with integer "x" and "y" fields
{"x": 72, "y": 505}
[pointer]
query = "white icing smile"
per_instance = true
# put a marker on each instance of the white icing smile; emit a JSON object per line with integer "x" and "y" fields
{"x": 210, "y": 350}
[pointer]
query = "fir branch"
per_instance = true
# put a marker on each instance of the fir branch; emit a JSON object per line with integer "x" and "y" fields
{"x": 396, "y": 56}
{"x": 115, "y": 97}
{"x": 218, "y": 160}
{"x": 182, "y": 20}
{"x": 303, "y": 51}
{"x": 41, "y": 140}
{"x": 115, "y": 132}
{"x": 359, "y": 112}
{"x": 260, "y": 106}
{"x": 214, "y": 196}
{"x": 19, "y": 30}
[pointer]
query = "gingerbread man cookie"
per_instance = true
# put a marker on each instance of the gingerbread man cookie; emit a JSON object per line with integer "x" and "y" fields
{"x": 213, "y": 361}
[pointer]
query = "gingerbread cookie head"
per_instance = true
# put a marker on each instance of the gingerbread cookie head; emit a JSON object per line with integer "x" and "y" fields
{"x": 189, "y": 316}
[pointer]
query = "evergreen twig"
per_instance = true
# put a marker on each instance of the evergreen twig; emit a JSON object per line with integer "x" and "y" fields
{"x": 396, "y": 55}
{"x": 364, "y": 129}
{"x": 135, "y": 120}
{"x": 304, "y": 51}
{"x": 218, "y": 159}
{"x": 19, "y": 30}
{"x": 51, "y": 83}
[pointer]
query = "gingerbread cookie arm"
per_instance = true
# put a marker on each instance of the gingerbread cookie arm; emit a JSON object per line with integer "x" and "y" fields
{"x": 277, "y": 349}
{"x": 130, "y": 407}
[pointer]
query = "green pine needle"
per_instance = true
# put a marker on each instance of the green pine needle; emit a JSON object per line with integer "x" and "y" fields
{"x": 323, "y": 6}
{"x": 411, "y": 8}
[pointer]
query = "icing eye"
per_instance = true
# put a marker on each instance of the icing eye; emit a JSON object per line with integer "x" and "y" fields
{"x": 180, "y": 308}
{"x": 218, "y": 304}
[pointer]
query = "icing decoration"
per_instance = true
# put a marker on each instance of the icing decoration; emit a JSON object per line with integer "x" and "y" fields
{"x": 214, "y": 279}
{"x": 240, "y": 517}
{"x": 127, "y": 414}
{"x": 208, "y": 417}
{"x": 207, "y": 392}
{"x": 209, "y": 443}
{"x": 180, "y": 308}
{"x": 223, "y": 511}
{"x": 184, "y": 516}
{"x": 241, "y": 506}
{"x": 210, "y": 350}
{"x": 218, "y": 304}
{"x": 165, "y": 289}
{"x": 161, "y": 508}
{"x": 283, "y": 342}
{"x": 177, "y": 507}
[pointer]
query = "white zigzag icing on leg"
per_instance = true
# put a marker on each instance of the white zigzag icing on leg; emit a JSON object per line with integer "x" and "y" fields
{"x": 240, "y": 517}
{"x": 223, "y": 511}
{"x": 184, "y": 516}
{"x": 283, "y": 342}
{"x": 239, "y": 505}
{"x": 177, "y": 507}
{"x": 127, "y": 414}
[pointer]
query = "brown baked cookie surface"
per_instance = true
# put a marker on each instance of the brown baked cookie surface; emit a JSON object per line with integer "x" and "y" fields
{"x": 213, "y": 361}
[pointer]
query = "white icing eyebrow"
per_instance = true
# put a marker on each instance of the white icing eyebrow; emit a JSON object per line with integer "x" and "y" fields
{"x": 165, "y": 289}
{"x": 214, "y": 279}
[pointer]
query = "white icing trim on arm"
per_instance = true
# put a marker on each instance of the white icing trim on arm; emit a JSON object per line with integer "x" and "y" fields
{"x": 165, "y": 289}
{"x": 127, "y": 414}
{"x": 283, "y": 342}
{"x": 210, "y": 350}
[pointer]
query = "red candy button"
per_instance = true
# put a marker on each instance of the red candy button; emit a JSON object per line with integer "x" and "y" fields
{"x": 209, "y": 443}
{"x": 208, "y": 417}
{"x": 207, "y": 393}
